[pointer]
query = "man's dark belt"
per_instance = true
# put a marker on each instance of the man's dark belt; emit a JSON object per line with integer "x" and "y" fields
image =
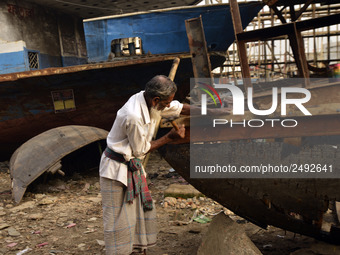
{"x": 136, "y": 182}
{"x": 114, "y": 155}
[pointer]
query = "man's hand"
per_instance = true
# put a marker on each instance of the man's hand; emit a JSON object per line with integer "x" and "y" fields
{"x": 174, "y": 134}
{"x": 168, "y": 138}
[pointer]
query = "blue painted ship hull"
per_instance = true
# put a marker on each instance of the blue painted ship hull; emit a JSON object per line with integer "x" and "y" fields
{"x": 163, "y": 32}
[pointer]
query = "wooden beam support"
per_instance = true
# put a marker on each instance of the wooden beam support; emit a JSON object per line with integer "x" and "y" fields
{"x": 301, "y": 56}
{"x": 198, "y": 48}
{"x": 241, "y": 45}
{"x": 299, "y": 13}
{"x": 293, "y": 30}
{"x": 284, "y": 29}
{"x": 292, "y": 12}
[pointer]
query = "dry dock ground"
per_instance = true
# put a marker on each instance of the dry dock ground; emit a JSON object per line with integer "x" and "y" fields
{"x": 62, "y": 215}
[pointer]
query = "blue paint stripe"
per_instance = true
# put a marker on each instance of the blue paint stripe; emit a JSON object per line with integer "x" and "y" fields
{"x": 13, "y": 62}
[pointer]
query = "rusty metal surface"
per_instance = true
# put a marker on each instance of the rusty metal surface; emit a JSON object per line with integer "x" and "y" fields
{"x": 198, "y": 48}
{"x": 80, "y": 68}
{"x": 307, "y": 126}
{"x": 262, "y": 201}
{"x": 42, "y": 152}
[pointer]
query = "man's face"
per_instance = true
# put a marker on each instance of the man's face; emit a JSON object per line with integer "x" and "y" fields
{"x": 162, "y": 104}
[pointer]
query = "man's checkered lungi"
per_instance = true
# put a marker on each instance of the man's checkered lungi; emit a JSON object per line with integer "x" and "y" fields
{"x": 126, "y": 226}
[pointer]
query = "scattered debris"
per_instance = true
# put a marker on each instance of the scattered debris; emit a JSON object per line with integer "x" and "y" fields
{"x": 55, "y": 251}
{"x": 42, "y": 244}
{"x": 48, "y": 200}
{"x": 2, "y": 211}
{"x": 23, "y": 206}
{"x": 170, "y": 200}
{"x": 13, "y": 232}
{"x": 179, "y": 233}
{"x": 24, "y": 251}
{"x": 101, "y": 242}
{"x": 89, "y": 231}
{"x": 12, "y": 245}
{"x": 82, "y": 246}
{"x": 202, "y": 219}
{"x": 71, "y": 225}
{"x": 266, "y": 246}
{"x": 86, "y": 187}
{"x": 95, "y": 199}
{"x": 182, "y": 191}
{"x": 35, "y": 216}
{"x": 195, "y": 231}
{"x": 153, "y": 176}
{"x": 180, "y": 223}
{"x": 3, "y": 226}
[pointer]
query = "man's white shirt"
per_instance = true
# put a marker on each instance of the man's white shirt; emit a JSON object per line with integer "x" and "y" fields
{"x": 131, "y": 135}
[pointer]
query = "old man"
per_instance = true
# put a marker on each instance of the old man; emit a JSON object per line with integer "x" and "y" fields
{"x": 128, "y": 211}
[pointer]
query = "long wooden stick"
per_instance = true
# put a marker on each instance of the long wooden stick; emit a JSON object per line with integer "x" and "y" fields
{"x": 172, "y": 74}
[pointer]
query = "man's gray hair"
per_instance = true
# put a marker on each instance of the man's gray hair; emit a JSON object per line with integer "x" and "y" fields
{"x": 160, "y": 86}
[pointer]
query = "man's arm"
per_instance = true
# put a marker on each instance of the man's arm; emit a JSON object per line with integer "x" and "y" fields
{"x": 169, "y": 137}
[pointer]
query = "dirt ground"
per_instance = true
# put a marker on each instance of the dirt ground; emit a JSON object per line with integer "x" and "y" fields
{"x": 64, "y": 216}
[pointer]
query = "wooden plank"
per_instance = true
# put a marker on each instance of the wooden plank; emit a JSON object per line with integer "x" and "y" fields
{"x": 171, "y": 75}
{"x": 304, "y": 71}
{"x": 79, "y": 68}
{"x": 198, "y": 48}
{"x": 271, "y": 32}
{"x": 279, "y": 14}
{"x": 241, "y": 45}
{"x": 299, "y": 13}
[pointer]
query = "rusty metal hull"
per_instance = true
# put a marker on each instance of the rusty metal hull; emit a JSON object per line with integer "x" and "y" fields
{"x": 291, "y": 202}
{"x": 27, "y": 108}
{"x": 297, "y": 205}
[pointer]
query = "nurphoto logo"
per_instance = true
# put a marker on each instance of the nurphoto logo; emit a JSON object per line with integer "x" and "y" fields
{"x": 238, "y": 106}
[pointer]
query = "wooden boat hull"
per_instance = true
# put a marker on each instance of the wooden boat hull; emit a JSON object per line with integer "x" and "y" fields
{"x": 35, "y": 101}
{"x": 27, "y": 108}
{"x": 297, "y": 205}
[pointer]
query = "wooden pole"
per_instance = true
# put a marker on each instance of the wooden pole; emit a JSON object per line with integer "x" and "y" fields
{"x": 241, "y": 45}
{"x": 172, "y": 74}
